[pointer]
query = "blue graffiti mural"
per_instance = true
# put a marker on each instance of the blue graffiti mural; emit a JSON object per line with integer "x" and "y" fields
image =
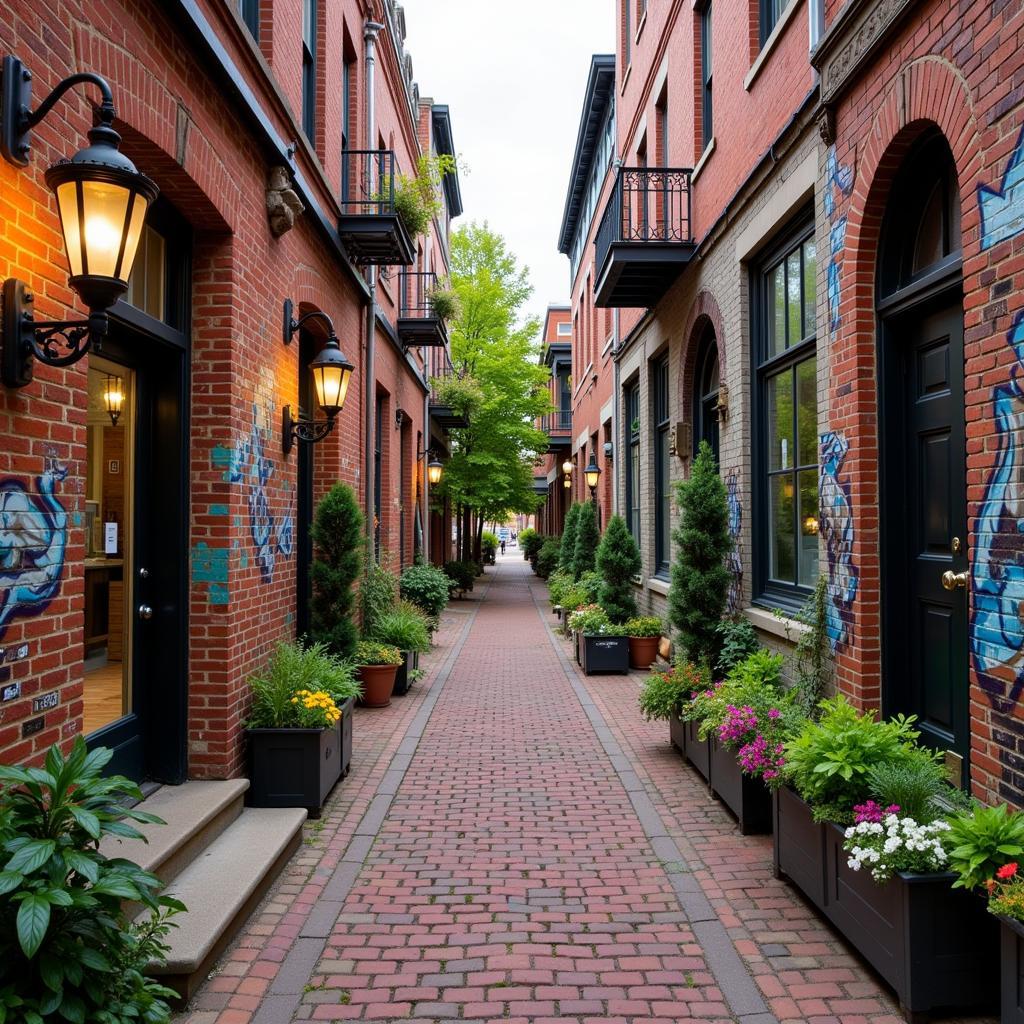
{"x": 837, "y": 176}
{"x": 33, "y": 540}
{"x": 1002, "y": 210}
{"x": 997, "y": 572}
{"x": 836, "y": 526}
{"x": 271, "y": 535}
{"x": 734, "y": 562}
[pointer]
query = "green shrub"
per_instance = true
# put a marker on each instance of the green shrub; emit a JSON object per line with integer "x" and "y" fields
{"x": 461, "y": 574}
{"x": 69, "y": 951}
{"x": 644, "y": 625}
{"x": 813, "y": 655}
{"x": 618, "y": 561}
{"x": 444, "y": 303}
{"x": 292, "y": 667}
{"x": 531, "y": 542}
{"x": 525, "y": 540}
{"x": 700, "y": 580}
{"x": 427, "y": 587}
{"x": 587, "y": 539}
{"x": 664, "y": 693}
{"x": 378, "y": 591}
{"x": 404, "y": 627}
{"x": 337, "y": 534}
{"x": 488, "y": 547}
{"x": 547, "y": 558}
{"x": 590, "y": 583}
{"x": 568, "y": 550}
{"x": 589, "y": 619}
{"x": 737, "y": 640}
{"x": 559, "y": 584}
{"x": 981, "y": 842}
{"x": 371, "y": 652}
{"x": 754, "y": 683}
{"x": 829, "y": 760}
{"x": 916, "y": 787}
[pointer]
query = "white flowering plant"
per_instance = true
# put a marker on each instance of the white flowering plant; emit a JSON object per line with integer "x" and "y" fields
{"x": 896, "y": 844}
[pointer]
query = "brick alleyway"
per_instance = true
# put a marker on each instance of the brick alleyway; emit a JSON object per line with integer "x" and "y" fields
{"x": 515, "y": 844}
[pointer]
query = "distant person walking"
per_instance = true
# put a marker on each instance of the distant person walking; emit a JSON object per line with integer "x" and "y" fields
{"x": 503, "y": 547}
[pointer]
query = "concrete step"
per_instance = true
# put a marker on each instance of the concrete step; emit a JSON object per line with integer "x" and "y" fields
{"x": 197, "y": 813}
{"x": 222, "y": 887}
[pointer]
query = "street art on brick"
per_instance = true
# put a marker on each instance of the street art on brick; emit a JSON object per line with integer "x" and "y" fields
{"x": 838, "y": 177}
{"x": 734, "y": 560}
{"x": 837, "y": 531}
{"x": 1002, "y": 209}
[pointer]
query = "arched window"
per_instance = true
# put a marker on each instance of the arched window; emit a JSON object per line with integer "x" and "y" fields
{"x": 705, "y": 393}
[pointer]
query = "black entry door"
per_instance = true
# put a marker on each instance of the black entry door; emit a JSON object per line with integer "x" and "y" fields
{"x": 149, "y": 736}
{"x": 924, "y": 523}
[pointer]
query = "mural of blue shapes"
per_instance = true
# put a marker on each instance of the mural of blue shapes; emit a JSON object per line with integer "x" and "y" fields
{"x": 837, "y": 531}
{"x": 734, "y": 563}
{"x": 997, "y": 570}
{"x": 285, "y": 536}
{"x": 33, "y": 541}
{"x": 218, "y": 510}
{"x": 218, "y": 593}
{"x": 1002, "y": 209}
{"x": 210, "y": 566}
{"x": 838, "y": 178}
{"x": 836, "y": 240}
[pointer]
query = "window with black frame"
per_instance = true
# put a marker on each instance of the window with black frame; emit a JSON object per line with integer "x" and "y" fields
{"x": 662, "y": 484}
{"x": 771, "y": 12}
{"x": 632, "y": 432}
{"x": 706, "y": 123}
{"x": 786, "y": 382}
{"x": 309, "y": 68}
{"x": 250, "y": 12}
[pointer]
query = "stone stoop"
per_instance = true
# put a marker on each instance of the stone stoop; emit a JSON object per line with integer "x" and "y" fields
{"x": 219, "y": 858}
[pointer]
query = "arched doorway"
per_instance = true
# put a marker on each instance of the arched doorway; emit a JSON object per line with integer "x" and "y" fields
{"x": 705, "y": 392}
{"x": 923, "y": 503}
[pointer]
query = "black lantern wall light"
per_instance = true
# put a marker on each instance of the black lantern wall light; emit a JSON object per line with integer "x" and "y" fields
{"x": 435, "y": 467}
{"x": 331, "y": 375}
{"x": 102, "y": 200}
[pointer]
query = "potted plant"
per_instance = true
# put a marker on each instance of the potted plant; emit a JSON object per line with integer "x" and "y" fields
{"x": 462, "y": 576}
{"x": 337, "y": 535}
{"x": 603, "y": 646}
{"x": 425, "y": 586}
{"x": 377, "y": 665}
{"x": 617, "y": 560}
{"x": 444, "y": 303}
{"x": 526, "y": 541}
{"x": 293, "y": 736}
{"x": 547, "y": 557}
{"x": 404, "y": 627}
{"x": 70, "y": 947}
{"x": 586, "y": 540}
{"x": 644, "y": 634}
{"x": 663, "y": 695}
{"x": 489, "y": 547}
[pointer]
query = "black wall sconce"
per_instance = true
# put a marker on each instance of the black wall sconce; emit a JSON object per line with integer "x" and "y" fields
{"x": 331, "y": 375}
{"x": 113, "y": 397}
{"x": 102, "y": 200}
{"x": 435, "y": 467}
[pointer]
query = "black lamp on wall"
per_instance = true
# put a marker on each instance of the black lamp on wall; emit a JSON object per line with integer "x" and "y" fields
{"x": 102, "y": 200}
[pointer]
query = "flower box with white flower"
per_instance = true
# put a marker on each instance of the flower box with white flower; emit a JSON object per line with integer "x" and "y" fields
{"x": 935, "y": 945}
{"x": 747, "y": 797}
{"x": 602, "y": 653}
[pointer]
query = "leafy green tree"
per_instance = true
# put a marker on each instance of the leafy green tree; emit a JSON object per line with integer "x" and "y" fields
{"x": 568, "y": 550}
{"x": 587, "y": 539}
{"x": 700, "y": 580}
{"x": 338, "y": 537}
{"x": 618, "y": 561}
{"x": 490, "y": 471}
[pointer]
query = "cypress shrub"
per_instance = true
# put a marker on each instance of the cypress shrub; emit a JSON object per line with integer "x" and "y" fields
{"x": 587, "y": 538}
{"x": 338, "y": 538}
{"x": 618, "y": 561}
{"x": 700, "y": 580}
{"x": 568, "y": 549}
{"x": 547, "y": 558}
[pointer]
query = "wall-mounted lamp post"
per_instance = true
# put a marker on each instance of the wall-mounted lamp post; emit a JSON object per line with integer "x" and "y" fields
{"x": 592, "y": 474}
{"x": 567, "y": 481}
{"x": 435, "y": 467}
{"x": 102, "y": 200}
{"x": 113, "y": 397}
{"x": 331, "y": 375}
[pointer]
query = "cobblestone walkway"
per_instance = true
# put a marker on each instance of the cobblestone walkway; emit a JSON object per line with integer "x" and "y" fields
{"x": 516, "y": 845}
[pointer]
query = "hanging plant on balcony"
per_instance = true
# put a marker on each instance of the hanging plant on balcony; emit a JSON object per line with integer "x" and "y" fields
{"x": 444, "y": 303}
{"x": 418, "y": 198}
{"x": 462, "y": 395}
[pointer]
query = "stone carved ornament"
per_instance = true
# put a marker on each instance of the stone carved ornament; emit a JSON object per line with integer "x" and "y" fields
{"x": 283, "y": 205}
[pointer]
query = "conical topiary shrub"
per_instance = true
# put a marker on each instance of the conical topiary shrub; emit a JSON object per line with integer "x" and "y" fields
{"x": 618, "y": 561}
{"x": 700, "y": 580}
{"x": 568, "y": 550}
{"x": 338, "y": 537}
{"x": 587, "y": 538}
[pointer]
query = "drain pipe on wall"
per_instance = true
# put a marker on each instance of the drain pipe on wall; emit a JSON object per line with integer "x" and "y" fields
{"x": 370, "y": 30}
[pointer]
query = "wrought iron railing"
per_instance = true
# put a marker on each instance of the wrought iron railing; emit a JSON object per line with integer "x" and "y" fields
{"x": 415, "y": 287}
{"x": 367, "y": 181}
{"x": 559, "y": 420}
{"x": 647, "y": 204}
{"x": 439, "y": 366}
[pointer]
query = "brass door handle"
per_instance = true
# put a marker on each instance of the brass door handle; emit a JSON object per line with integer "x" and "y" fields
{"x": 952, "y": 580}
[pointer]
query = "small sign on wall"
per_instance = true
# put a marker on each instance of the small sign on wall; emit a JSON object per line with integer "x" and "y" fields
{"x": 110, "y": 538}
{"x": 113, "y": 466}
{"x": 12, "y": 691}
{"x": 45, "y": 701}
{"x": 32, "y": 726}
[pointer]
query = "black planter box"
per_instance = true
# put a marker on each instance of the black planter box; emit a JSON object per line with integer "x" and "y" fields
{"x": 677, "y": 733}
{"x": 345, "y": 727}
{"x": 799, "y": 845}
{"x": 604, "y": 654}
{"x": 576, "y": 646}
{"x": 410, "y": 661}
{"x": 747, "y": 798}
{"x": 293, "y": 767}
{"x": 698, "y": 751}
{"x": 1011, "y": 978}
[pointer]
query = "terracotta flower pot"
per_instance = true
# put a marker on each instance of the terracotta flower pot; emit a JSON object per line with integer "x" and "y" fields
{"x": 378, "y": 682}
{"x": 643, "y": 651}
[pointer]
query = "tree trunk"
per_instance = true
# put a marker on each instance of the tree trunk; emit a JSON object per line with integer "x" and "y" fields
{"x": 478, "y": 551}
{"x": 466, "y": 550}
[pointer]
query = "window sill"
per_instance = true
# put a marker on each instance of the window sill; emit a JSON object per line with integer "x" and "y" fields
{"x": 770, "y": 43}
{"x": 782, "y": 626}
{"x": 584, "y": 379}
{"x": 625, "y": 77}
{"x": 640, "y": 27}
{"x": 704, "y": 157}
{"x": 659, "y": 586}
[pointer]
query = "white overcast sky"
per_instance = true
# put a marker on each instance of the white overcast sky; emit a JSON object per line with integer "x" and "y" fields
{"x": 513, "y": 74}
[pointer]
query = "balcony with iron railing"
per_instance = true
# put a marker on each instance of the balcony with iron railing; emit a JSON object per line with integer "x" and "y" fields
{"x": 644, "y": 239}
{"x": 558, "y": 426}
{"x": 418, "y": 322}
{"x": 369, "y": 225}
{"x": 439, "y": 367}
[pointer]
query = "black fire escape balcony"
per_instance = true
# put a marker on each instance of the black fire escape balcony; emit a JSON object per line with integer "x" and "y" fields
{"x": 439, "y": 367}
{"x": 370, "y": 227}
{"x": 418, "y": 324}
{"x": 644, "y": 239}
{"x": 558, "y": 426}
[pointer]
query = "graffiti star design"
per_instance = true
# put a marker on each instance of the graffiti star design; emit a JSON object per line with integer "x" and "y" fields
{"x": 997, "y": 572}
{"x": 837, "y": 531}
{"x": 837, "y": 176}
{"x": 1002, "y": 210}
{"x": 33, "y": 539}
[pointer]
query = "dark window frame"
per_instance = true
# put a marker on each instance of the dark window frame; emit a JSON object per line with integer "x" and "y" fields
{"x": 347, "y": 76}
{"x": 705, "y": 398}
{"x": 767, "y": 591}
{"x": 309, "y": 58}
{"x": 249, "y": 11}
{"x": 706, "y": 77}
{"x": 627, "y": 42}
{"x": 770, "y": 13}
{"x": 660, "y": 428}
{"x": 631, "y": 403}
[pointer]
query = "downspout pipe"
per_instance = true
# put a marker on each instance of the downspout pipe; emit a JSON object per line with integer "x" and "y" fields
{"x": 370, "y": 31}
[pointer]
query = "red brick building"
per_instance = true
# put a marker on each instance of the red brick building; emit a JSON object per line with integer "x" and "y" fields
{"x": 149, "y": 564}
{"x": 556, "y": 354}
